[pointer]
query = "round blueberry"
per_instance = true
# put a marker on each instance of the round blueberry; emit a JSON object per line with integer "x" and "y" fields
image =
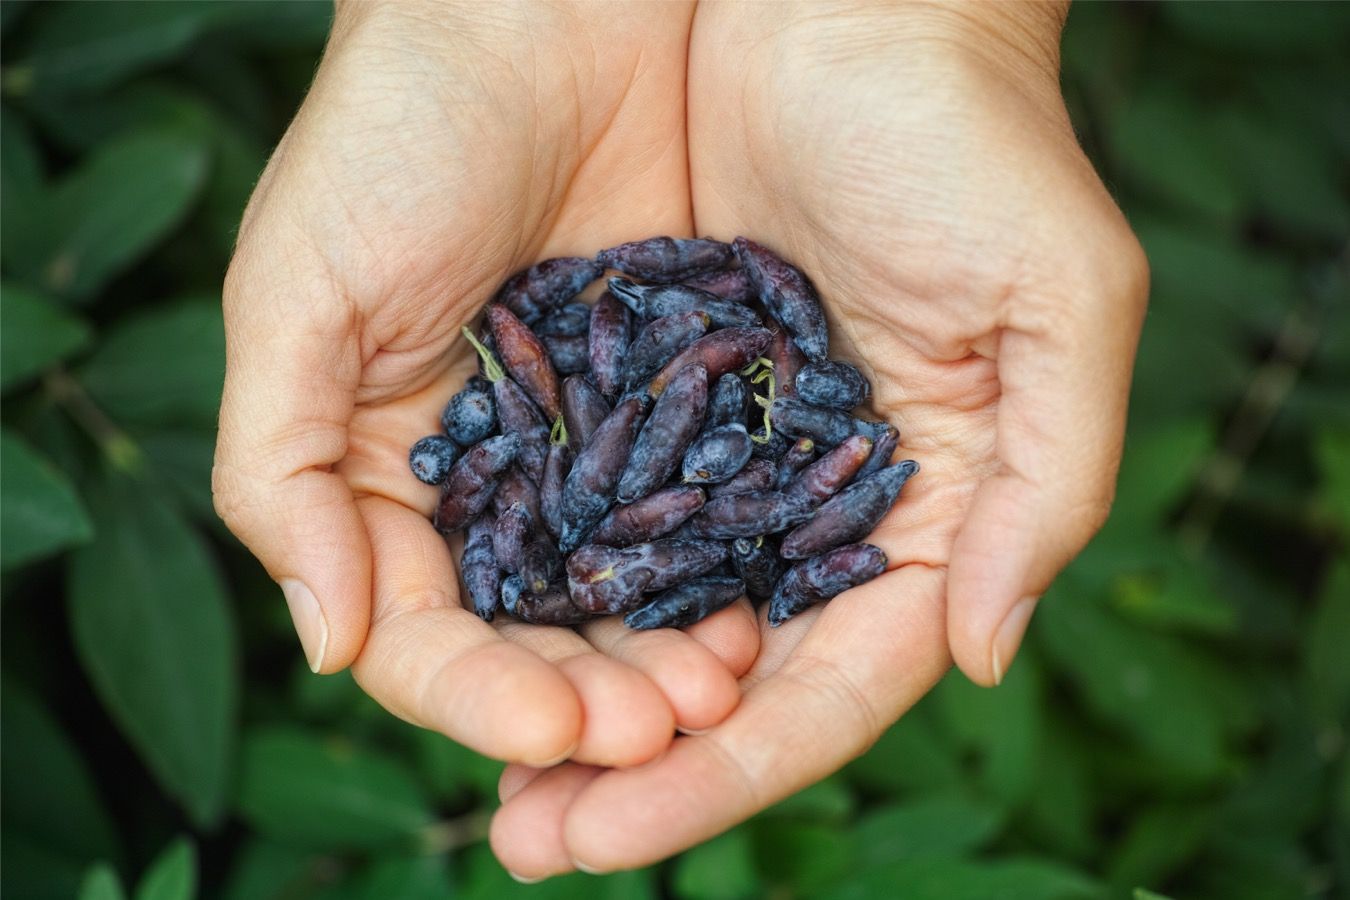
{"x": 431, "y": 458}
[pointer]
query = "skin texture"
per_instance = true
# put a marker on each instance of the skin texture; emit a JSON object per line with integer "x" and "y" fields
{"x": 916, "y": 162}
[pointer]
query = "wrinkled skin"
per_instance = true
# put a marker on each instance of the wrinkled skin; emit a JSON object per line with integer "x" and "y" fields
{"x": 916, "y": 162}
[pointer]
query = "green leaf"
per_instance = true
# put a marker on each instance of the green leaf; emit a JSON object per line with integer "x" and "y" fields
{"x": 172, "y": 876}
{"x": 1144, "y": 894}
{"x": 181, "y": 459}
{"x": 1177, "y": 594}
{"x": 802, "y": 857}
{"x": 958, "y": 879}
{"x": 34, "y": 334}
{"x": 721, "y": 869}
{"x": 1291, "y": 176}
{"x": 1001, "y": 727}
{"x": 405, "y": 878}
{"x": 910, "y": 755}
{"x": 453, "y": 772}
{"x": 164, "y": 366}
{"x": 49, "y": 794}
{"x": 1161, "y": 138}
{"x": 102, "y": 883}
{"x": 1159, "y": 464}
{"x": 1061, "y": 812}
{"x": 1328, "y": 636}
{"x": 264, "y": 870}
{"x": 936, "y": 825}
{"x": 41, "y": 513}
{"x": 828, "y": 800}
{"x": 152, "y": 627}
{"x": 73, "y": 47}
{"x": 1294, "y": 29}
{"x": 1161, "y": 840}
{"x": 1331, "y": 447}
{"x": 37, "y": 872}
{"x": 22, "y": 188}
{"x": 116, "y": 206}
{"x": 1170, "y": 697}
{"x": 296, "y": 787}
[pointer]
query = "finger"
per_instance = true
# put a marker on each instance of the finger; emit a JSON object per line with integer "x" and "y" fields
{"x": 626, "y": 720}
{"x": 696, "y": 683}
{"x": 872, "y": 653}
{"x": 1065, "y": 376}
{"x": 526, "y": 834}
{"x": 292, "y": 366}
{"x": 439, "y": 666}
{"x": 732, "y": 634}
{"x": 514, "y": 778}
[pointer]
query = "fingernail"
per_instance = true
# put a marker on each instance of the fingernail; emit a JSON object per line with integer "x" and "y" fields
{"x": 523, "y": 880}
{"x": 310, "y": 624}
{"x": 582, "y": 867}
{"x": 1009, "y": 636}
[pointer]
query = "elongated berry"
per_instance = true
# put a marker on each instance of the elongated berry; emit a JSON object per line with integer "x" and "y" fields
{"x": 826, "y": 426}
{"x": 569, "y": 355}
{"x": 612, "y": 580}
{"x": 584, "y": 408}
{"x": 536, "y": 290}
{"x": 717, "y": 454}
{"x": 509, "y": 536}
{"x": 652, "y": 301}
{"x": 556, "y": 466}
{"x": 756, "y": 562}
{"x": 729, "y": 402}
{"x": 798, "y": 457}
{"x": 825, "y": 477}
{"x": 649, "y": 518}
{"x": 568, "y": 320}
{"x": 472, "y": 480}
{"x": 788, "y": 295}
{"x": 516, "y": 487}
{"x": 687, "y": 603}
{"x": 773, "y": 448}
{"x": 513, "y": 587}
{"x": 551, "y": 606}
{"x": 471, "y": 414}
{"x": 832, "y": 383}
{"x": 849, "y": 515}
{"x": 729, "y": 284}
{"x": 540, "y": 563}
{"x": 431, "y": 458}
{"x": 478, "y": 566}
{"x": 666, "y": 259}
{"x": 758, "y": 475}
{"x": 525, "y": 360}
{"x": 748, "y": 515}
{"x": 589, "y": 490}
{"x": 723, "y": 351}
{"x": 823, "y": 577}
{"x": 520, "y": 416}
{"x": 787, "y": 362}
{"x": 608, "y": 342}
{"x": 883, "y": 448}
{"x": 658, "y": 342}
{"x": 674, "y": 422}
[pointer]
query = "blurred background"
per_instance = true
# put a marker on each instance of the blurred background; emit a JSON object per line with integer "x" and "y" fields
{"x": 1176, "y": 724}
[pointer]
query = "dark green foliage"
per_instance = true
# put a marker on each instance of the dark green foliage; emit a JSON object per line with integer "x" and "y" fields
{"x": 1176, "y": 725}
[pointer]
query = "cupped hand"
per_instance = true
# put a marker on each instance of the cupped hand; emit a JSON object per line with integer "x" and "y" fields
{"x": 442, "y": 148}
{"x": 921, "y": 167}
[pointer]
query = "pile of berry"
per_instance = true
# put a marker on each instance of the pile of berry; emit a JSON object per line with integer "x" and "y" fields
{"x": 680, "y": 443}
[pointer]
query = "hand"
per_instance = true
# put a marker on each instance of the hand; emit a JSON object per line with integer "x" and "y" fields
{"x": 441, "y": 149}
{"x": 920, "y": 165}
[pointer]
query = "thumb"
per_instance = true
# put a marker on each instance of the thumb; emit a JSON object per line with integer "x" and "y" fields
{"x": 1064, "y": 366}
{"x": 292, "y": 366}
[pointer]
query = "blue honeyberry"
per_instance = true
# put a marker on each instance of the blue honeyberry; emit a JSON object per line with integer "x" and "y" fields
{"x": 431, "y": 458}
